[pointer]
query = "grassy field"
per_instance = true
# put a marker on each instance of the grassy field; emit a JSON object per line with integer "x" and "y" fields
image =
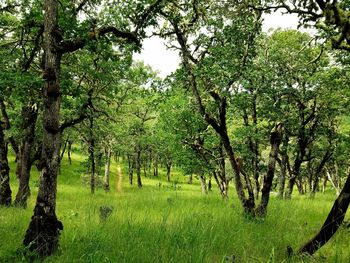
{"x": 164, "y": 224}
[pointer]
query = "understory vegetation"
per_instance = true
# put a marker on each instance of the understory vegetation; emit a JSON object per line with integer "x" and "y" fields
{"x": 161, "y": 223}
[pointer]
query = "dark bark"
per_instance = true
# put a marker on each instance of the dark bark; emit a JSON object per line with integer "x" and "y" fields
{"x": 253, "y": 147}
{"x": 43, "y": 232}
{"x": 92, "y": 155}
{"x": 25, "y": 155}
{"x": 275, "y": 140}
{"x": 5, "y": 190}
{"x": 332, "y": 223}
{"x": 318, "y": 171}
{"x": 283, "y": 165}
{"x": 209, "y": 183}
{"x": 64, "y": 149}
{"x": 69, "y": 151}
{"x": 168, "y": 169}
{"x": 138, "y": 168}
{"x": 308, "y": 124}
{"x": 131, "y": 167}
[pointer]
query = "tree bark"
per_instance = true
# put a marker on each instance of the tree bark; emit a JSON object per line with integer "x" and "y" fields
{"x": 283, "y": 165}
{"x": 332, "y": 223}
{"x": 69, "y": 152}
{"x": 5, "y": 190}
{"x": 92, "y": 155}
{"x": 138, "y": 168}
{"x": 24, "y": 162}
{"x": 131, "y": 167}
{"x": 42, "y": 235}
{"x": 168, "y": 169}
{"x": 275, "y": 140}
{"x": 107, "y": 168}
{"x": 203, "y": 184}
{"x": 155, "y": 166}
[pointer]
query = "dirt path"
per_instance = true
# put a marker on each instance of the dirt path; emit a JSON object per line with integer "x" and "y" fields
{"x": 119, "y": 181}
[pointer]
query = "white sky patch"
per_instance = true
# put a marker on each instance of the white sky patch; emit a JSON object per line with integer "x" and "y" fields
{"x": 166, "y": 61}
{"x": 156, "y": 54}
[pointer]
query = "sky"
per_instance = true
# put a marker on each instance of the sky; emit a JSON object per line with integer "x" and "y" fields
{"x": 165, "y": 61}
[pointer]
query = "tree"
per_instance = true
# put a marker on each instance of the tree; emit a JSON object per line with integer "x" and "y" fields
{"x": 43, "y": 231}
{"x": 212, "y": 76}
{"x": 332, "y": 19}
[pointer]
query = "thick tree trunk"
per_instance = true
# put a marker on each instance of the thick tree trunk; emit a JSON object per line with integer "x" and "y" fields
{"x": 108, "y": 153}
{"x": 275, "y": 140}
{"x": 332, "y": 223}
{"x": 5, "y": 190}
{"x": 25, "y": 153}
{"x": 43, "y": 231}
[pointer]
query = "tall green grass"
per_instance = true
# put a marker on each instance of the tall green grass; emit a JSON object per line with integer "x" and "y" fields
{"x": 168, "y": 224}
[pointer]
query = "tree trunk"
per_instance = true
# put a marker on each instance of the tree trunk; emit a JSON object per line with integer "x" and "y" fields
{"x": 203, "y": 184}
{"x": 168, "y": 170}
{"x": 69, "y": 151}
{"x": 131, "y": 165}
{"x": 332, "y": 223}
{"x": 209, "y": 183}
{"x": 190, "y": 179}
{"x": 92, "y": 155}
{"x": 5, "y": 190}
{"x": 155, "y": 167}
{"x": 275, "y": 140}
{"x": 43, "y": 232}
{"x": 248, "y": 204}
{"x": 324, "y": 184}
{"x": 334, "y": 183}
{"x": 300, "y": 185}
{"x": 145, "y": 168}
{"x": 138, "y": 168}
{"x": 283, "y": 165}
{"x": 25, "y": 153}
{"x": 107, "y": 168}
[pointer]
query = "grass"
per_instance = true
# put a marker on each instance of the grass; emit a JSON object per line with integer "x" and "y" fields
{"x": 160, "y": 224}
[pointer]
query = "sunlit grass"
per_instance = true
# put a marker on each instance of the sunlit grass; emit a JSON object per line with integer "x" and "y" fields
{"x": 161, "y": 224}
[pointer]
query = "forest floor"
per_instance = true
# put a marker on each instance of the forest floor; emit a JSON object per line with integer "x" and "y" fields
{"x": 169, "y": 222}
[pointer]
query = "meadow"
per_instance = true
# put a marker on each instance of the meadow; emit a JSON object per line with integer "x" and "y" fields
{"x": 167, "y": 222}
